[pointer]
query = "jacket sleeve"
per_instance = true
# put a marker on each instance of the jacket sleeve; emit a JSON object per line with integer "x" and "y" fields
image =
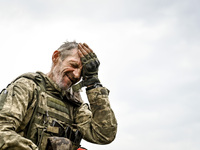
{"x": 99, "y": 124}
{"x": 14, "y": 102}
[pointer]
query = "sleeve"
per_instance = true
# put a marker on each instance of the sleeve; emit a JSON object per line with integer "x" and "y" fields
{"x": 99, "y": 124}
{"x": 14, "y": 102}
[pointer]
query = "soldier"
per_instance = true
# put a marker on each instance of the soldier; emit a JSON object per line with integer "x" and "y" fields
{"x": 45, "y": 111}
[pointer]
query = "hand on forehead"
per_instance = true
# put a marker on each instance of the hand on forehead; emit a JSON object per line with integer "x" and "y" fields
{"x": 84, "y": 49}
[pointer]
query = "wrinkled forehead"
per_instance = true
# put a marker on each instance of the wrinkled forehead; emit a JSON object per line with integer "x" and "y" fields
{"x": 73, "y": 55}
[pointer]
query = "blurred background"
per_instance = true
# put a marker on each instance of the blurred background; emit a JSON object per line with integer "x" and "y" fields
{"x": 149, "y": 54}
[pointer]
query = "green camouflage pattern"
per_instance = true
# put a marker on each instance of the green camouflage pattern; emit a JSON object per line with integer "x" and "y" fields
{"x": 96, "y": 122}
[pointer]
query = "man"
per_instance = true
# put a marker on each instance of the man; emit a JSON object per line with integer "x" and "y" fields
{"x": 45, "y": 111}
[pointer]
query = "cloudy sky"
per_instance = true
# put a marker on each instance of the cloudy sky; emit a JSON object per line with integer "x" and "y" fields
{"x": 149, "y": 54}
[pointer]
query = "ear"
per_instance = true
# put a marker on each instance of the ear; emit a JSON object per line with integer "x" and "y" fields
{"x": 55, "y": 56}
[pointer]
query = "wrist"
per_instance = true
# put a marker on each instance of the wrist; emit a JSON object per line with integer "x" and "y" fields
{"x": 95, "y": 85}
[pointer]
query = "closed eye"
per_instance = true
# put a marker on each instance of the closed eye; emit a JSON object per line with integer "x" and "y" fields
{"x": 74, "y": 65}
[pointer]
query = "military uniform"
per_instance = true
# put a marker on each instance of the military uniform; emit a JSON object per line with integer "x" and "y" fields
{"x": 29, "y": 111}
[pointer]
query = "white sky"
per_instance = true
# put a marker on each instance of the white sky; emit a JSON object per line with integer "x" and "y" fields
{"x": 149, "y": 54}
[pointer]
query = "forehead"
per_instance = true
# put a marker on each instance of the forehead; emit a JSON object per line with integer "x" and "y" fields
{"x": 73, "y": 56}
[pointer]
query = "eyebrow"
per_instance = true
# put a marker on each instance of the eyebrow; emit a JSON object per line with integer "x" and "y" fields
{"x": 74, "y": 63}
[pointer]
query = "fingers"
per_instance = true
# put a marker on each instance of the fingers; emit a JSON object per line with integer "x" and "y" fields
{"x": 90, "y": 50}
{"x": 80, "y": 53}
{"x": 84, "y": 49}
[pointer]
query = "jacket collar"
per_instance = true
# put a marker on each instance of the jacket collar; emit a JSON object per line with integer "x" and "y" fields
{"x": 53, "y": 88}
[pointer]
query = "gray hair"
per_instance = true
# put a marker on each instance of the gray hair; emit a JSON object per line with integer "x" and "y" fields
{"x": 65, "y": 48}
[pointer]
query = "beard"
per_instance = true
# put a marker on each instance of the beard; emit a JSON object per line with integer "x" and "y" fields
{"x": 58, "y": 78}
{"x": 65, "y": 79}
{"x": 61, "y": 85}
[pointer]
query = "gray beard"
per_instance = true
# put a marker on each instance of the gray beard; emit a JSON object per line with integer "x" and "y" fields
{"x": 58, "y": 79}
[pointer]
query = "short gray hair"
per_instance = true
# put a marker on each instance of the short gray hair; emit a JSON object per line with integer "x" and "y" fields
{"x": 65, "y": 48}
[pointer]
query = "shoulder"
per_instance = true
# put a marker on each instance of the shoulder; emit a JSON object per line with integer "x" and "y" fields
{"x": 30, "y": 77}
{"x": 27, "y": 81}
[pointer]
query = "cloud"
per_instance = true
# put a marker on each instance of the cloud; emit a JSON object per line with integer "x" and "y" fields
{"x": 149, "y": 53}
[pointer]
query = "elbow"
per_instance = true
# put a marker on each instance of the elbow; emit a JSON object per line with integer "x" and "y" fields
{"x": 109, "y": 136}
{"x": 109, "y": 140}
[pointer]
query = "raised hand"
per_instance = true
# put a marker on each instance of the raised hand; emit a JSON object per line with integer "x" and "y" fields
{"x": 90, "y": 66}
{"x": 89, "y": 61}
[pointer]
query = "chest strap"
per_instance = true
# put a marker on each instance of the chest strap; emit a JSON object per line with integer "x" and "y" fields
{"x": 54, "y": 115}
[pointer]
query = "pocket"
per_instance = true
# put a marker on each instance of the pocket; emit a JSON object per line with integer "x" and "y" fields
{"x": 42, "y": 138}
{"x": 59, "y": 143}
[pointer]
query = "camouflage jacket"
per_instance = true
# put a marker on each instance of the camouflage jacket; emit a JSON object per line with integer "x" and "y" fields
{"x": 96, "y": 122}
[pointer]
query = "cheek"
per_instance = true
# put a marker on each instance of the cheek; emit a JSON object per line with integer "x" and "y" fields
{"x": 66, "y": 80}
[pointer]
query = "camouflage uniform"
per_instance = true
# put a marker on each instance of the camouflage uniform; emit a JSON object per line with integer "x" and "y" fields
{"x": 97, "y": 123}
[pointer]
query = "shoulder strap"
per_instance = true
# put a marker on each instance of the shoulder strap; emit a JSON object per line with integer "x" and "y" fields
{"x": 36, "y": 77}
{"x": 33, "y": 106}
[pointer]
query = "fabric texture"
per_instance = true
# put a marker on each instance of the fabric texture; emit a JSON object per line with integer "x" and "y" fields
{"x": 96, "y": 121}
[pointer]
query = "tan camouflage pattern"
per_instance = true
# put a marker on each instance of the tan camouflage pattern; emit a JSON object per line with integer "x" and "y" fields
{"x": 18, "y": 97}
{"x": 59, "y": 143}
{"x": 97, "y": 123}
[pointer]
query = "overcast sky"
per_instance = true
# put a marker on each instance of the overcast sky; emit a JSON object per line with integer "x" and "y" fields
{"x": 149, "y": 54}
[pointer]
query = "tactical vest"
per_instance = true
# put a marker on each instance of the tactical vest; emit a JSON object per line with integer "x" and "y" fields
{"x": 48, "y": 116}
